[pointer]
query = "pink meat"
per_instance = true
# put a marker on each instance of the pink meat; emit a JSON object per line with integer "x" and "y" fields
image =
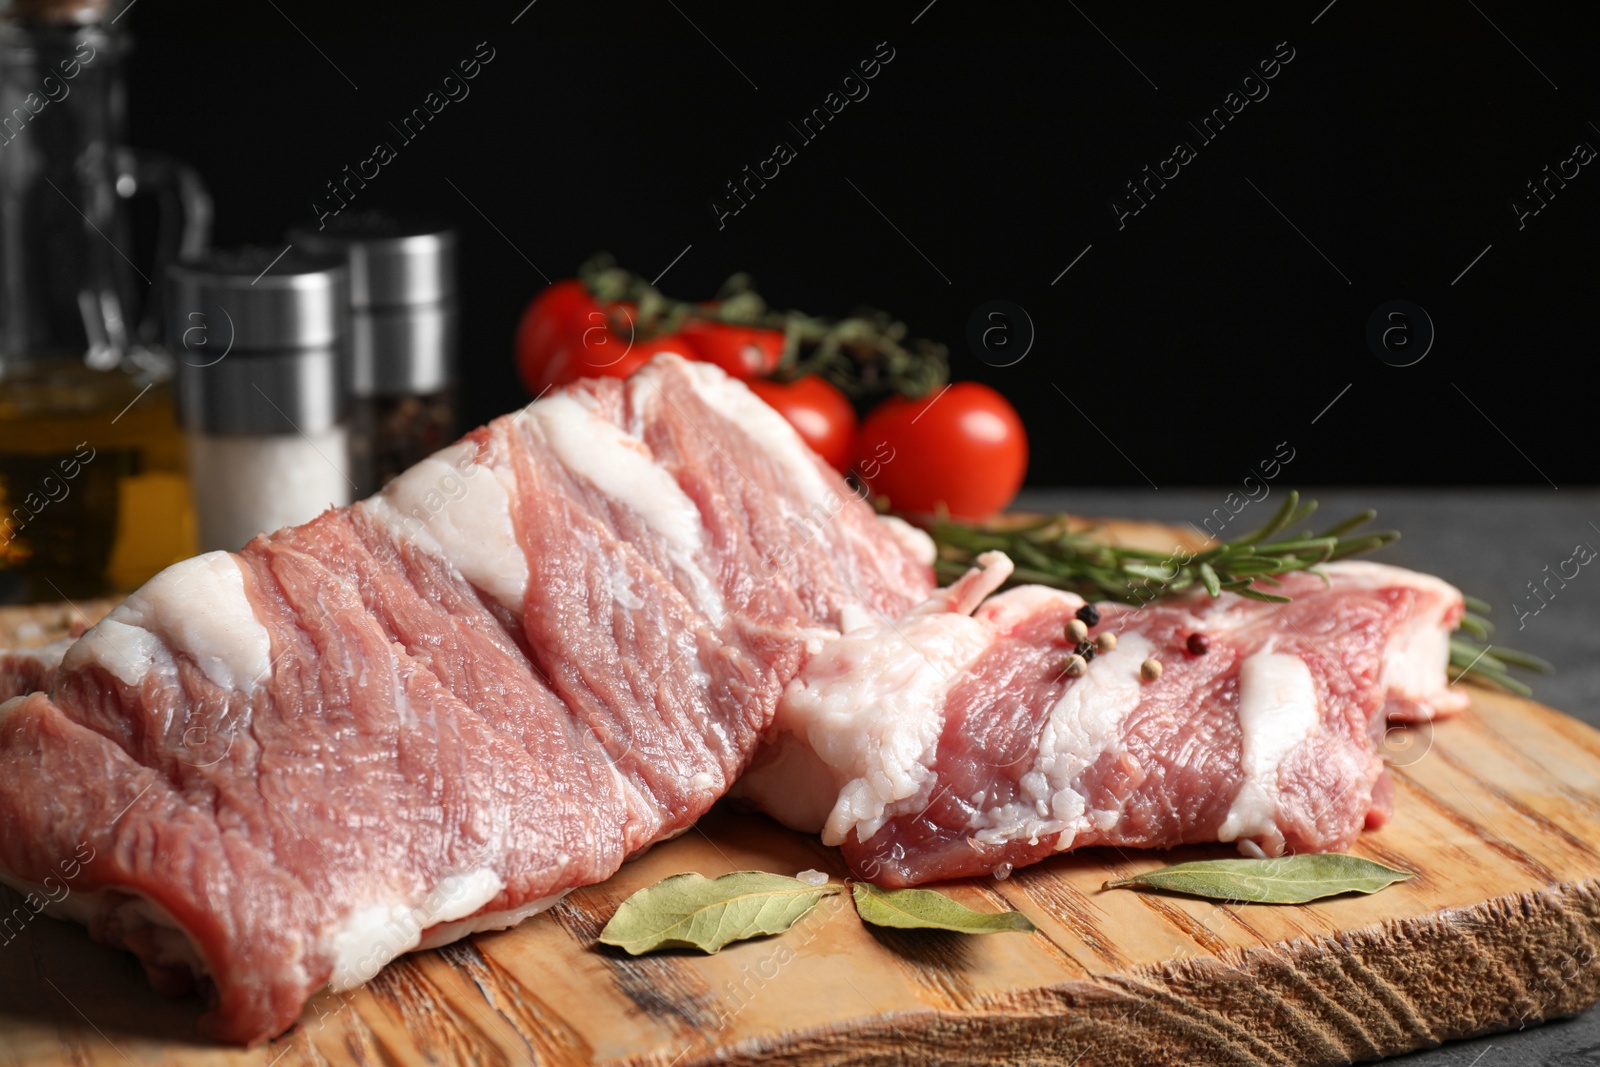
{"x": 30, "y": 670}
{"x": 1011, "y": 760}
{"x": 437, "y": 711}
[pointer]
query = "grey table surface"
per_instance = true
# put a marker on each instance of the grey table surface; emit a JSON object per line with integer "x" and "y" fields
{"x": 1490, "y": 544}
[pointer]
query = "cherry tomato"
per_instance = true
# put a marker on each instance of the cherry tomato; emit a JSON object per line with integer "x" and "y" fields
{"x": 565, "y": 335}
{"x": 602, "y": 345}
{"x": 818, "y": 411}
{"x": 743, "y": 351}
{"x": 551, "y": 320}
{"x": 964, "y": 448}
{"x": 604, "y": 364}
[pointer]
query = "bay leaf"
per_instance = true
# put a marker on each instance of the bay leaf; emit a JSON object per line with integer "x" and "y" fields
{"x": 912, "y": 909}
{"x": 1280, "y": 880}
{"x": 693, "y": 911}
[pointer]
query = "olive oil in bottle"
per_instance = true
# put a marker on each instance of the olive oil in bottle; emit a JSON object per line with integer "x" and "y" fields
{"x": 93, "y": 495}
{"x": 94, "y": 498}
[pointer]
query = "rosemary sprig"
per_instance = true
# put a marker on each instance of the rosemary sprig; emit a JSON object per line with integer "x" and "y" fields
{"x": 1487, "y": 663}
{"x": 1047, "y": 552}
{"x": 867, "y": 353}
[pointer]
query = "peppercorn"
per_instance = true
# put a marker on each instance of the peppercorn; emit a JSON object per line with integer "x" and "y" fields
{"x": 1089, "y": 614}
{"x": 1106, "y": 641}
{"x": 1075, "y": 666}
{"x": 1086, "y": 649}
{"x": 1198, "y": 644}
{"x": 1076, "y": 631}
{"x": 1150, "y": 670}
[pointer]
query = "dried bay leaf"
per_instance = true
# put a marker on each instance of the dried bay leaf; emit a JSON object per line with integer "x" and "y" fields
{"x": 693, "y": 911}
{"x": 1280, "y": 880}
{"x": 923, "y": 909}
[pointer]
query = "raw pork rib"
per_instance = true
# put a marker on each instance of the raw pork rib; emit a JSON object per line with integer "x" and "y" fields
{"x": 533, "y": 655}
{"x": 24, "y": 671}
{"x": 951, "y": 743}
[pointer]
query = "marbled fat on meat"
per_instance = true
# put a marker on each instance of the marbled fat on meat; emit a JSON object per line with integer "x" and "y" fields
{"x": 1268, "y": 738}
{"x": 534, "y": 655}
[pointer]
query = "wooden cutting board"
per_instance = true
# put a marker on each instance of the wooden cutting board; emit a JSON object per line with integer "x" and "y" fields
{"x": 1497, "y": 812}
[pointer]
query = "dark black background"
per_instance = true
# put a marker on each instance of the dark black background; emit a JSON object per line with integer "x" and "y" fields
{"x": 1196, "y": 338}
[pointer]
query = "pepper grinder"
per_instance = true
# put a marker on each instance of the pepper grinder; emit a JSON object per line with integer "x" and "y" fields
{"x": 403, "y": 317}
{"x": 260, "y": 339}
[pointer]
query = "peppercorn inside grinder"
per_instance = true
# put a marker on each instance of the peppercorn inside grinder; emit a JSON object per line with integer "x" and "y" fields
{"x": 402, "y": 373}
{"x": 261, "y": 339}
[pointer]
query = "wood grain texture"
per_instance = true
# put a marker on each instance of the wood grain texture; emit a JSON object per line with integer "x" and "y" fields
{"x": 1497, "y": 812}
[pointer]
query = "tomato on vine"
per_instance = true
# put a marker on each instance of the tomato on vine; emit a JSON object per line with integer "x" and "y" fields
{"x": 546, "y": 331}
{"x": 819, "y": 412}
{"x": 744, "y": 352}
{"x": 565, "y": 335}
{"x": 963, "y": 449}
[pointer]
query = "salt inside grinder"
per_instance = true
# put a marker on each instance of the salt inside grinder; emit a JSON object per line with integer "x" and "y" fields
{"x": 403, "y": 337}
{"x": 260, "y": 342}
